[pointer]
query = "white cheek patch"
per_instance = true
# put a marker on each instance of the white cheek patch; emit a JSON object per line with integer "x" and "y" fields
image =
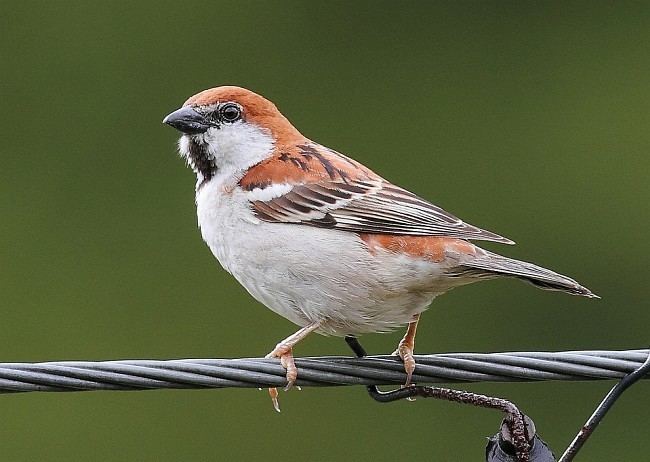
{"x": 268, "y": 193}
{"x": 238, "y": 146}
{"x": 231, "y": 149}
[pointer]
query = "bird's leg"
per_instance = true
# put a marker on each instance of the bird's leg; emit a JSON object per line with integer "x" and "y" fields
{"x": 405, "y": 349}
{"x": 284, "y": 351}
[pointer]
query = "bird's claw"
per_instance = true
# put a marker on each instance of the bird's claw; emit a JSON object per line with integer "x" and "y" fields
{"x": 292, "y": 371}
{"x": 285, "y": 354}
{"x": 273, "y": 393}
{"x": 405, "y": 352}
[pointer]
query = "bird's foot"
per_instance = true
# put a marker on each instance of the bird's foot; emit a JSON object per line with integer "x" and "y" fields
{"x": 285, "y": 353}
{"x": 405, "y": 352}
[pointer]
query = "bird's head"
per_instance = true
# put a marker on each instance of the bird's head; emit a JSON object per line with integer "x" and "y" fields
{"x": 229, "y": 128}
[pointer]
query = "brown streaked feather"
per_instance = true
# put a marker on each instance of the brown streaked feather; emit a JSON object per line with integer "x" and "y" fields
{"x": 305, "y": 163}
{"x": 333, "y": 191}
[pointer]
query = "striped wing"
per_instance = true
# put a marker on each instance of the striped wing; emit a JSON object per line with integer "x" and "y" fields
{"x": 366, "y": 206}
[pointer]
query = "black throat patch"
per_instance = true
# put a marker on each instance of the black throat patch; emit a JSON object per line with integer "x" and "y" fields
{"x": 200, "y": 160}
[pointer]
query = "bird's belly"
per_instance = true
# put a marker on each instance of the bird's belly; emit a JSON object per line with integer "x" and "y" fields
{"x": 308, "y": 274}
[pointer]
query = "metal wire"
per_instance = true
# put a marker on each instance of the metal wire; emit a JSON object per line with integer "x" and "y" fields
{"x": 317, "y": 371}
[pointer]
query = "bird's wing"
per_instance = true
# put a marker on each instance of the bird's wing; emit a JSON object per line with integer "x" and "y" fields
{"x": 326, "y": 189}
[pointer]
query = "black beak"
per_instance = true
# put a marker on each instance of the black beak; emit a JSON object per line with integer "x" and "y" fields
{"x": 188, "y": 121}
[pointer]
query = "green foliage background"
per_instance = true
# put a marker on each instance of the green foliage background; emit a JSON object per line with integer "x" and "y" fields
{"x": 527, "y": 119}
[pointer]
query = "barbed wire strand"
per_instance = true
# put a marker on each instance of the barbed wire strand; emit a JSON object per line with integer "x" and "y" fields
{"x": 145, "y": 374}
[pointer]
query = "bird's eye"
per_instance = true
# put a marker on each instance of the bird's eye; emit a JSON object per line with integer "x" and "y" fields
{"x": 230, "y": 112}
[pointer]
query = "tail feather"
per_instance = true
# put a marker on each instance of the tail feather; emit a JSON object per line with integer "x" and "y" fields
{"x": 540, "y": 277}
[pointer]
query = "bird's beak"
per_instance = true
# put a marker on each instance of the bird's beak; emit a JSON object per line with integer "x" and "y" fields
{"x": 188, "y": 121}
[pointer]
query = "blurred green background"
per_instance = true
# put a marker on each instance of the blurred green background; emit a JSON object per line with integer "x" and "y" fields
{"x": 528, "y": 120}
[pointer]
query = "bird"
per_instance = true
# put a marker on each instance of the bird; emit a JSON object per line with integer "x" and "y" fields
{"x": 318, "y": 237}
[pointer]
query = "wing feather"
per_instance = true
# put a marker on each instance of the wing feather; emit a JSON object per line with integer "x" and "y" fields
{"x": 367, "y": 206}
{"x": 324, "y": 188}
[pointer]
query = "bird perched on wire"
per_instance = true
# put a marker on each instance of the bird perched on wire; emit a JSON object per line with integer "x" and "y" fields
{"x": 318, "y": 237}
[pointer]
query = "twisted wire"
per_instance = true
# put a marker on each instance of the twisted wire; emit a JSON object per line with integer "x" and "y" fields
{"x": 317, "y": 371}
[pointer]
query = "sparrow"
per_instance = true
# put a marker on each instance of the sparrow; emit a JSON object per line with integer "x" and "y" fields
{"x": 321, "y": 239}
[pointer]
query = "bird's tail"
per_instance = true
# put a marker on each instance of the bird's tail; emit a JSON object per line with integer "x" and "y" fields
{"x": 492, "y": 264}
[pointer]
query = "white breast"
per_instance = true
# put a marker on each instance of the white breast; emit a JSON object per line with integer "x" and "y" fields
{"x": 309, "y": 274}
